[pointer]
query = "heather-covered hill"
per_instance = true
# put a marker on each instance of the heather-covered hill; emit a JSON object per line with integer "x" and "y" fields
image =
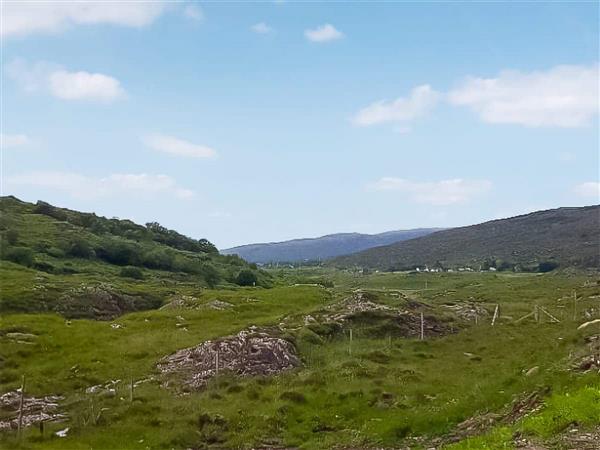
{"x": 565, "y": 237}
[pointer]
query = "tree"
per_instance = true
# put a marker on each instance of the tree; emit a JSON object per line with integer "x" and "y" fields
{"x": 246, "y": 278}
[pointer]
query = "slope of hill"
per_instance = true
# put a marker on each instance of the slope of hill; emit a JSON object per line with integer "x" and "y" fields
{"x": 321, "y": 248}
{"x": 81, "y": 264}
{"x": 564, "y": 237}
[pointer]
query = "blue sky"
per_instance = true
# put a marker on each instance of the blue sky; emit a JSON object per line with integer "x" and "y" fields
{"x": 253, "y": 122}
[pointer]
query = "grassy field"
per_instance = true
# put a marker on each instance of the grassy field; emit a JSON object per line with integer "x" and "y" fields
{"x": 380, "y": 390}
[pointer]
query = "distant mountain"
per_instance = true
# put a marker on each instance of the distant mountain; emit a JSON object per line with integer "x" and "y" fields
{"x": 565, "y": 237}
{"x": 323, "y": 247}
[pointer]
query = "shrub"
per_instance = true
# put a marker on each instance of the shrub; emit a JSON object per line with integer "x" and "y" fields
{"x": 132, "y": 272}
{"x": 11, "y": 237}
{"x": 119, "y": 253}
{"x": 246, "y": 278}
{"x": 55, "y": 252}
{"x": 80, "y": 248}
{"x": 20, "y": 255}
{"x": 159, "y": 259}
{"x": 44, "y": 266}
{"x": 210, "y": 275}
{"x": 547, "y": 266}
{"x": 48, "y": 210}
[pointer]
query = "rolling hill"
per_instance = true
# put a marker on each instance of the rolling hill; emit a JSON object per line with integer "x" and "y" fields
{"x": 84, "y": 265}
{"x": 321, "y": 248}
{"x": 558, "y": 237}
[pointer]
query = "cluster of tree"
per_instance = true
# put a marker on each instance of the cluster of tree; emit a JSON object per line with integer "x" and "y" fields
{"x": 153, "y": 231}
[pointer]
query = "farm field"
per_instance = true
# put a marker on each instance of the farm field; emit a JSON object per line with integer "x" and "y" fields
{"x": 370, "y": 374}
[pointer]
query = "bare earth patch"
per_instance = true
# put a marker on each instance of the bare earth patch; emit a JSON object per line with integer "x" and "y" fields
{"x": 250, "y": 352}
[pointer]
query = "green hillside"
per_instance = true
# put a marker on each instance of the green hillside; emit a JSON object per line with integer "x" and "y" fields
{"x": 83, "y": 265}
{"x": 539, "y": 241}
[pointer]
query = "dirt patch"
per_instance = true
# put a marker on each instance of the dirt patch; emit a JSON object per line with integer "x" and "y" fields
{"x": 101, "y": 302}
{"x": 250, "y": 352}
{"x": 467, "y": 310}
{"x": 361, "y": 311}
{"x": 35, "y": 410}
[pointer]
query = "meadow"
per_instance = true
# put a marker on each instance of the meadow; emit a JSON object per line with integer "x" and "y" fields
{"x": 379, "y": 388}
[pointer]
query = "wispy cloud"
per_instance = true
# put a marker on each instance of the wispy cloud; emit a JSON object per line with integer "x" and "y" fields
{"x": 261, "y": 28}
{"x": 439, "y": 193}
{"x": 86, "y": 187}
{"x": 53, "y": 79}
{"x": 176, "y": 146}
{"x": 402, "y": 110}
{"x": 564, "y": 96}
{"x": 23, "y": 18}
{"x": 323, "y": 33}
{"x": 590, "y": 189}
{"x": 13, "y": 140}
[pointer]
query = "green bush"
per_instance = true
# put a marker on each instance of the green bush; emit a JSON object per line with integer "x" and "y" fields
{"x": 19, "y": 255}
{"x": 11, "y": 237}
{"x": 132, "y": 272}
{"x": 119, "y": 253}
{"x": 80, "y": 248}
{"x": 246, "y": 278}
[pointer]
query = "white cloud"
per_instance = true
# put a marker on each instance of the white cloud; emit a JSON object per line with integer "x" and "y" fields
{"x": 421, "y": 100}
{"x": 179, "y": 147}
{"x": 21, "y": 18}
{"x": 564, "y": 96}
{"x": 439, "y": 193}
{"x": 53, "y": 79}
{"x": 588, "y": 189}
{"x": 324, "y": 33}
{"x": 81, "y": 186}
{"x": 85, "y": 86}
{"x": 261, "y": 28}
{"x": 13, "y": 140}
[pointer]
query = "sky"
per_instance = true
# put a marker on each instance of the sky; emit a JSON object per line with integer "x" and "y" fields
{"x": 245, "y": 122}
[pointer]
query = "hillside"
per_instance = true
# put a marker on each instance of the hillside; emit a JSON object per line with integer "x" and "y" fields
{"x": 564, "y": 237}
{"x": 83, "y": 265}
{"x": 321, "y": 248}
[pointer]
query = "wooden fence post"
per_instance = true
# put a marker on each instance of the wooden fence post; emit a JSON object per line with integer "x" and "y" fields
{"x": 422, "y": 327}
{"x": 495, "y": 315}
{"x": 20, "y": 423}
{"x": 350, "y": 343}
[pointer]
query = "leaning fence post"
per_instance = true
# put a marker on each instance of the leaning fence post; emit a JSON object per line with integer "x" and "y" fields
{"x": 495, "y": 315}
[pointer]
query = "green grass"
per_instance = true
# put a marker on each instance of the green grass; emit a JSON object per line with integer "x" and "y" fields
{"x": 379, "y": 394}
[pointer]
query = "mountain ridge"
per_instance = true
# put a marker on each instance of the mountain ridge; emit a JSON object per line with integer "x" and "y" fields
{"x": 321, "y": 247}
{"x": 567, "y": 236}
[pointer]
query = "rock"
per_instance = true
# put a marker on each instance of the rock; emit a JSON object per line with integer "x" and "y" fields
{"x": 248, "y": 353}
{"x": 35, "y": 410}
